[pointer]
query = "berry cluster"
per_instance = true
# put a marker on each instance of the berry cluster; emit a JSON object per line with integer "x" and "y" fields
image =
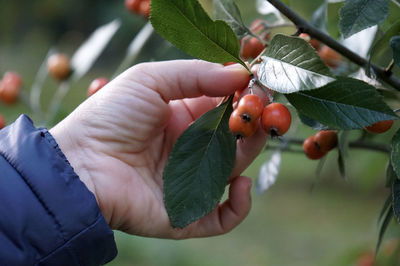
{"x": 327, "y": 54}
{"x": 141, "y": 7}
{"x": 245, "y": 119}
{"x": 318, "y": 145}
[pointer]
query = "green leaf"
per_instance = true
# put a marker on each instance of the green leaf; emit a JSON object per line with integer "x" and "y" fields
{"x": 396, "y": 198}
{"x": 314, "y": 124}
{"x": 391, "y": 175}
{"x": 291, "y": 64}
{"x": 343, "y": 148}
{"x": 357, "y": 15}
{"x": 385, "y": 207}
{"x": 187, "y": 26}
{"x": 381, "y": 45}
{"x": 333, "y": 18}
{"x": 199, "y": 167}
{"x": 84, "y": 58}
{"x": 384, "y": 226}
{"x": 319, "y": 17}
{"x": 395, "y": 44}
{"x": 343, "y": 104}
{"x": 228, "y": 11}
{"x": 395, "y": 154}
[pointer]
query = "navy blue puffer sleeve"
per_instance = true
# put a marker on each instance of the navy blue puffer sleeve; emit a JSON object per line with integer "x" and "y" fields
{"x": 47, "y": 215}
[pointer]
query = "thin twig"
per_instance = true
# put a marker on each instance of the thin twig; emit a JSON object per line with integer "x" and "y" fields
{"x": 315, "y": 33}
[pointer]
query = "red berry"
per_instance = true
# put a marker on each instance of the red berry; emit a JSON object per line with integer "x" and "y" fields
{"x": 10, "y": 86}
{"x": 251, "y": 48}
{"x": 96, "y": 85}
{"x": 241, "y": 128}
{"x": 380, "y": 127}
{"x": 133, "y": 5}
{"x": 326, "y": 140}
{"x": 276, "y": 119}
{"x": 2, "y": 121}
{"x": 250, "y": 107}
{"x": 58, "y": 66}
{"x": 311, "y": 150}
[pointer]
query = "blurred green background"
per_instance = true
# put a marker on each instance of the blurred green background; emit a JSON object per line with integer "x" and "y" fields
{"x": 290, "y": 224}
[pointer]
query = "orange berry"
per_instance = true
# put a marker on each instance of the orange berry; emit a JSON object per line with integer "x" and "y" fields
{"x": 313, "y": 42}
{"x": 144, "y": 8}
{"x": 380, "y": 127}
{"x": 276, "y": 119}
{"x": 330, "y": 56}
{"x": 326, "y": 140}
{"x": 311, "y": 150}
{"x": 58, "y": 66}
{"x": 250, "y": 107}
{"x": 133, "y": 5}
{"x": 241, "y": 128}
{"x": 96, "y": 85}
{"x": 251, "y": 48}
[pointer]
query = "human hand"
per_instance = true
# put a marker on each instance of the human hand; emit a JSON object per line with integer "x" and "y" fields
{"x": 118, "y": 142}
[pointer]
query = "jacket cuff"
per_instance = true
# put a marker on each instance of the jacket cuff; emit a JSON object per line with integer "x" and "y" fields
{"x": 83, "y": 234}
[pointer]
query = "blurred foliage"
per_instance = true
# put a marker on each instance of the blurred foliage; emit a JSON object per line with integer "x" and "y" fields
{"x": 288, "y": 225}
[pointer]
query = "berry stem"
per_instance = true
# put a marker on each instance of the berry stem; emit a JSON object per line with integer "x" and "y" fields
{"x": 315, "y": 33}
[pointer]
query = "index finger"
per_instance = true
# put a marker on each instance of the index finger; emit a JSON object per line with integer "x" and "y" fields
{"x": 179, "y": 79}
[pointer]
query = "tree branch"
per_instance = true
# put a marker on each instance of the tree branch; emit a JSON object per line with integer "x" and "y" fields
{"x": 357, "y": 144}
{"x": 315, "y": 33}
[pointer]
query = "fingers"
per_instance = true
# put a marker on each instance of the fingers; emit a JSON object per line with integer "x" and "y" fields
{"x": 226, "y": 216}
{"x": 180, "y": 79}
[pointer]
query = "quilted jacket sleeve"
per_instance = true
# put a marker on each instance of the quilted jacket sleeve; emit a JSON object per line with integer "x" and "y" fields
{"x": 47, "y": 215}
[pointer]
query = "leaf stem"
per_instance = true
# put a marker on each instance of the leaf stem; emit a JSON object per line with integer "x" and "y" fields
{"x": 315, "y": 33}
{"x": 388, "y": 69}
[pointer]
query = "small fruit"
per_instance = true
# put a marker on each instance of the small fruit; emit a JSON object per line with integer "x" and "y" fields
{"x": 241, "y": 128}
{"x": 251, "y": 48}
{"x": 380, "y": 127}
{"x": 259, "y": 27}
{"x": 330, "y": 56}
{"x": 250, "y": 107}
{"x": 2, "y": 121}
{"x": 144, "y": 8}
{"x": 133, "y": 5}
{"x": 311, "y": 150}
{"x": 58, "y": 66}
{"x": 326, "y": 140}
{"x": 10, "y": 86}
{"x": 313, "y": 42}
{"x": 276, "y": 119}
{"x": 96, "y": 85}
